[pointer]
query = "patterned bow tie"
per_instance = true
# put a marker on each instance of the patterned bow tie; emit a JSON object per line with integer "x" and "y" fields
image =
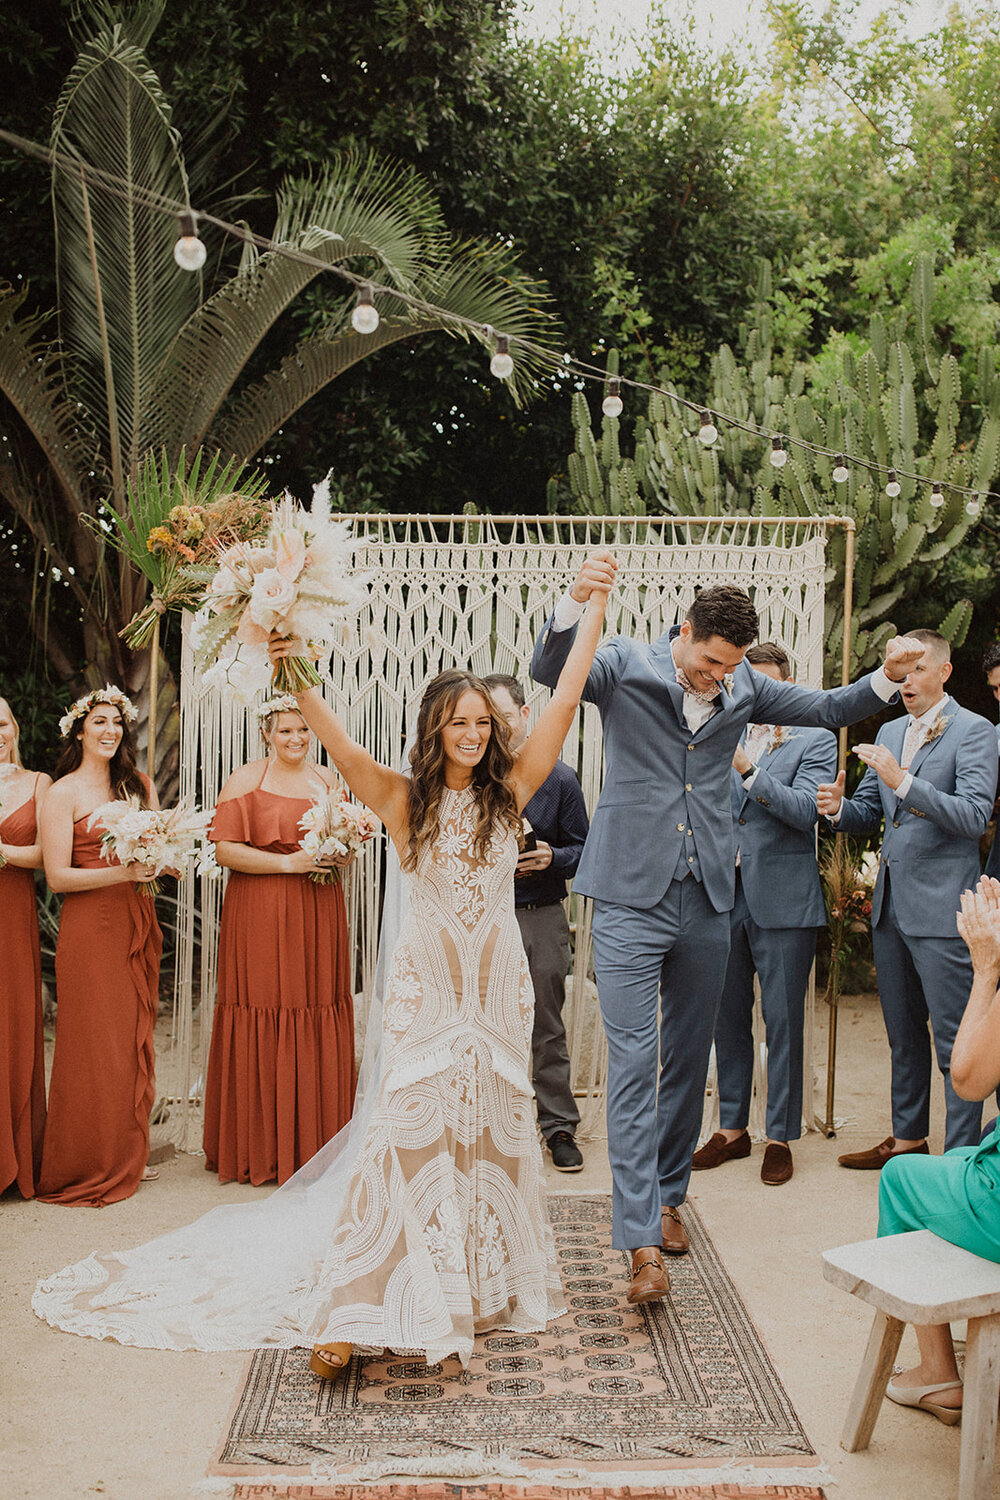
{"x": 709, "y": 696}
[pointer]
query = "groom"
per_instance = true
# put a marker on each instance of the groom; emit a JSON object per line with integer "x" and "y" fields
{"x": 660, "y": 864}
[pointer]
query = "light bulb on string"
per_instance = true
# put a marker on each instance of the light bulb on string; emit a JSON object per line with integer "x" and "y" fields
{"x": 973, "y": 506}
{"x": 892, "y": 485}
{"x": 937, "y": 498}
{"x": 708, "y": 432}
{"x": 778, "y": 456}
{"x": 612, "y": 405}
{"x": 501, "y": 365}
{"x": 189, "y": 250}
{"x": 365, "y": 318}
{"x": 841, "y": 473}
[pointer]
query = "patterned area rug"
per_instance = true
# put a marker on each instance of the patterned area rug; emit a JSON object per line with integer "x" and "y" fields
{"x": 607, "y": 1394}
{"x": 513, "y": 1492}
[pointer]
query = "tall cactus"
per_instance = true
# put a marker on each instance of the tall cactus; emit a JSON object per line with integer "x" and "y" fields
{"x": 897, "y": 403}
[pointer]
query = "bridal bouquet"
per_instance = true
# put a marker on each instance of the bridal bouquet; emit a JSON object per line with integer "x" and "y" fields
{"x": 295, "y": 578}
{"x": 166, "y": 838}
{"x": 334, "y": 826}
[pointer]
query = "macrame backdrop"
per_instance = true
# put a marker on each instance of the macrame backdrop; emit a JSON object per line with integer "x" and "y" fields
{"x": 474, "y": 592}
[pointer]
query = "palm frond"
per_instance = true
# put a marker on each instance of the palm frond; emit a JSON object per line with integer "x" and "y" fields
{"x": 480, "y": 283}
{"x": 33, "y": 378}
{"x": 360, "y": 209}
{"x": 122, "y": 298}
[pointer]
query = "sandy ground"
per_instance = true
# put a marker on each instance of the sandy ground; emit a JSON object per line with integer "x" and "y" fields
{"x": 79, "y": 1418}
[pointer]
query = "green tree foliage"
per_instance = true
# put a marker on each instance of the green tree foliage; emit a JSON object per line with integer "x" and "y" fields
{"x": 146, "y": 356}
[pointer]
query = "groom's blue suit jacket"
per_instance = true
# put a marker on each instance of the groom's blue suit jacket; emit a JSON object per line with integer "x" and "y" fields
{"x": 930, "y": 847}
{"x": 660, "y": 779}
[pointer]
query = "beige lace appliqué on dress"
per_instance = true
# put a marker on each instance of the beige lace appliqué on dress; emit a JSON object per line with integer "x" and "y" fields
{"x": 444, "y": 1233}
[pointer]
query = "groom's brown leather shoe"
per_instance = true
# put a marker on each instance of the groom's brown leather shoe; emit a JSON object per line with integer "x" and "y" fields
{"x": 649, "y": 1276}
{"x": 675, "y": 1236}
{"x": 718, "y": 1149}
{"x": 875, "y": 1159}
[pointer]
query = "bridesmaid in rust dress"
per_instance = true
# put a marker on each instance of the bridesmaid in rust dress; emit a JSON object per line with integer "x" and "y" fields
{"x": 280, "y": 1077}
{"x": 22, "y": 1064}
{"x": 107, "y": 968}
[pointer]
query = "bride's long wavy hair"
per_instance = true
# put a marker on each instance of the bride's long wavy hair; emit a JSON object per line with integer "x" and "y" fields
{"x": 494, "y": 794}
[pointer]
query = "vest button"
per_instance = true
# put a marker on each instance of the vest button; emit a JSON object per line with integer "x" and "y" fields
{"x": 688, "y": 787}
{"x": 690, "y": 747}
{"x": 680, "y": 828}
{"x": 742, "y": 822}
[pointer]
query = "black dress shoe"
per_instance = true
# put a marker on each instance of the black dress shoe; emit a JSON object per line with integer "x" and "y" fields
{"x": 566, "y": 1154}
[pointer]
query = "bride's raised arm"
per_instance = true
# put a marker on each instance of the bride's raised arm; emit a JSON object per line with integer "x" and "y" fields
{"x": 385, "y": 791}
{"x": 540, "y": 750}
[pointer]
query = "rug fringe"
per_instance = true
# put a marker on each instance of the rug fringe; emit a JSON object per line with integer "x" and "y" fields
{"x": 490, "y": 1470}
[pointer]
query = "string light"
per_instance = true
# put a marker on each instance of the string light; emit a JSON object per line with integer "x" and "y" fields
{"x": 157, "y": 202}
{"x": 841, "y": 473}
{"x": 778, "y": 456}
{"x": 612, "y": 405}
{"x": 501, "y": 365}
{"x": 189, "y": 250}
{"x": 708, "y": 432}
{"x": 365, "y": 318}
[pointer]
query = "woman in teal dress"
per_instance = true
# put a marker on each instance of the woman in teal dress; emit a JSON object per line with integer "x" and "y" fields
{"x": 956, "y": 1196}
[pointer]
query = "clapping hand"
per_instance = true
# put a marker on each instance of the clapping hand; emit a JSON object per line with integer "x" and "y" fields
{"x": 979, "y": 924}
{"x": 901, "y": 655}
{"x": 883, "y": 763}
{"x": 829, "y": 796}
{"x": 596, "y": 576}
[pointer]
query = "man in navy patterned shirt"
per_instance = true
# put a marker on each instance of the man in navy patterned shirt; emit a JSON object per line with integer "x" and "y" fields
{"x": 557, "y": 817}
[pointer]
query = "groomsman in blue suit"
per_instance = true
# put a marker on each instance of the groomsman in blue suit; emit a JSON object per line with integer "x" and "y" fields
{"x": 930, "y": 782}
{"x": 779, "y": 906}
{"x": 991, "y": 666}
{"x": 660, "y": 862}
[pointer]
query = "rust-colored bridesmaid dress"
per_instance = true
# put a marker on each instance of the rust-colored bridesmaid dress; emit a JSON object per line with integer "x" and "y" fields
{"x": 102, "y": 1087}
{"x": 22, "y": 1063}
{"x": 281, "y": 1067}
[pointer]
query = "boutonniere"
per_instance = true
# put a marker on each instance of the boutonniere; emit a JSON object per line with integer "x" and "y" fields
{"x": 935, "y": 730}
{"x": 728, "y": 682}
{"x": 779, "y": 734}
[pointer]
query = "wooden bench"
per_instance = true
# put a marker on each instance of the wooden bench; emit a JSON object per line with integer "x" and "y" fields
{"x": 919, "y": 1278}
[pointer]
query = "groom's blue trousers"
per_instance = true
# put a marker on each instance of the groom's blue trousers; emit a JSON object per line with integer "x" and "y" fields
{"x": 659, "y": 977}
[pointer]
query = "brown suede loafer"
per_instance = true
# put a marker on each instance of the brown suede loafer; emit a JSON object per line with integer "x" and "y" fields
{"x": 777, "y": 1166}
{"x": 718, "y": 1150}
{"x": 675, "y": 1236}
{"x": 875, "y": 1159}
{"x": 649, "y": 1277}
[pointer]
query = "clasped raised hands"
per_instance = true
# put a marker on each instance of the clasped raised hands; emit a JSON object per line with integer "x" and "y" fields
{"x": 979, "y": 924}
{"x": 596, "y": 577}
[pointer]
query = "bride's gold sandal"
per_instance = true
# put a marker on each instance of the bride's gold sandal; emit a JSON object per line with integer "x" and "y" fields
{"x": 330, "y": 1360}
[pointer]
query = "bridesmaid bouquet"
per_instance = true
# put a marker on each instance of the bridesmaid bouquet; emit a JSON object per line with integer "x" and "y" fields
{"x": 334, "y": 827}
{"x": 295, "y": 579}
{"x": 166, "y": 838}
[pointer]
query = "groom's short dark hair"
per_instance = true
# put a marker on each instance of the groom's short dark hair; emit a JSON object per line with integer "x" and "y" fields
{"x": 726, "y": 611}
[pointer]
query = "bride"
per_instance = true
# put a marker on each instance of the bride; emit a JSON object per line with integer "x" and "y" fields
{"x": 424, "y": 1222}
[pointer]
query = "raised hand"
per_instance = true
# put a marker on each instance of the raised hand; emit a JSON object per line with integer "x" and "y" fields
{"x": 883, "y": 763}
{"x": 597, "y": 575}
{"x": 830, "y": 794}
{"x": 979, "y": 924}
{"x": 902, "y": 653}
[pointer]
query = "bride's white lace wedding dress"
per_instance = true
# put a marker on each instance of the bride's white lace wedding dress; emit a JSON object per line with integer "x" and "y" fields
{"x": 424, "y": 1223}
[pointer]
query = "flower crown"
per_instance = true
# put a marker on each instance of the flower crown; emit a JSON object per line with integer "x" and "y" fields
{"x": 283, "y": 703}
{"x": 81, "y": 708}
